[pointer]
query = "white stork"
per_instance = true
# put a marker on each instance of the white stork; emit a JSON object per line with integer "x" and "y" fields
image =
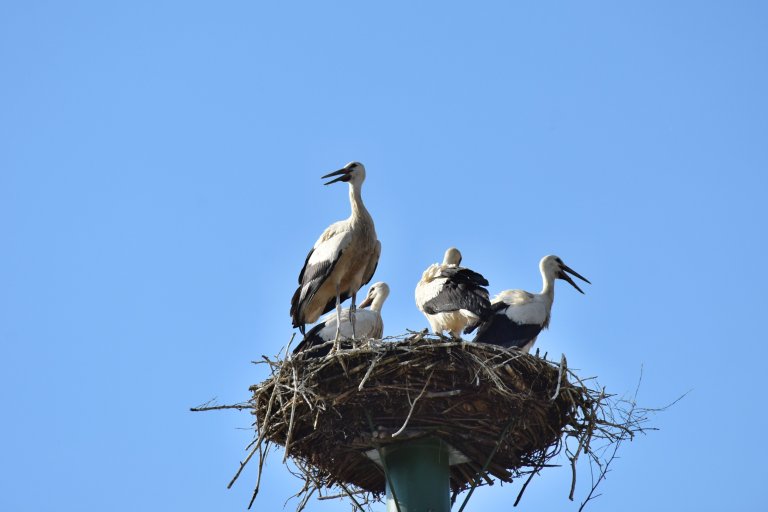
{"x": 519, "y": 316}
{"x": 342, "y": 260}
{"x": 368, "y": 323}
{"x": 452, "y": 297}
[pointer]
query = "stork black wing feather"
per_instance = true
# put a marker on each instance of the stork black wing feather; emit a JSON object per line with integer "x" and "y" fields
{"x": 306, "y": 262}
{"x": 494, "y": 308}
{"x": 463, "y": 289}
{"x": 295, "y": 300}
{"x": 463, "y": 275}
{"x": 313, "y": 339}
{"x": 310, "y": 345}
{"x": 313, "y": 277}
{"x": 499, "y": 329}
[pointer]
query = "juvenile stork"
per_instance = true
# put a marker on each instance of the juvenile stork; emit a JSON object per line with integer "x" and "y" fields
{"x": 368, "y": 323}
{"x": 519, "y": 316}
{"x": 342, "y": 260}
{"x": 452, "y": 297}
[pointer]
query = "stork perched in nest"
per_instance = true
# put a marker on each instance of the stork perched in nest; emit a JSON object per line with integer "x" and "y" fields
{"x": 518, "y": 316}
{"x": 342, "y": 260}
{"x": 452, "y": 297}
{"x": 368, "y": 323}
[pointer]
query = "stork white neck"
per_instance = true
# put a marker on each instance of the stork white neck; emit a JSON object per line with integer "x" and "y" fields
{"x": 356, "y": 202}
{"x": 377, "y": 294}
{"x": 377, "y": 303}
{"x": 548, "y": 283}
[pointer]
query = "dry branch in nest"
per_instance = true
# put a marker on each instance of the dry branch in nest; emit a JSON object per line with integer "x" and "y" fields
{"x": 504, "y": 414}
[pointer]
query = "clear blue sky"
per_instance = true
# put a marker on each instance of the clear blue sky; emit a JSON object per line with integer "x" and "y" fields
{"x": 159, "y": 166}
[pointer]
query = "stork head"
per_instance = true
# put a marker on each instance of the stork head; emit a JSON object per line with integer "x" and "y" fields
{"x": 377, "y": 294}
{"x": 554, "y": 268}
{"x": 352, "y": 173}
{"x": 452, "y": 257}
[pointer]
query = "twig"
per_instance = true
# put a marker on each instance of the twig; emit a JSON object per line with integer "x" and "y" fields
{"x": 239, "y": 407}
{"x": 262, "y": 458}
{"x": 348, "y": 493}
{"x": 601, "y": 477}
{"x": 242, "y": 465}
{"x": 583, "y": 441}
{"x": 340, "y": 495}
{"x": 559, "y": 377}
{"x": 443, "y": 394}
{"x": 413, "y": 406}
{"x": 304, "y": 500}
{"x": 288, "y": 346}
{"x": 487, "y": 462}
{"x": 368, "y": 373}
{"x": 527, "y": 481}
{"x": 264, "y": 427}
{"x": 289, "y": 436}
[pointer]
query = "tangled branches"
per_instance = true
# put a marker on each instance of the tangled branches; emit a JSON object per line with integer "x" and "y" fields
{"x": 504, "y": 414}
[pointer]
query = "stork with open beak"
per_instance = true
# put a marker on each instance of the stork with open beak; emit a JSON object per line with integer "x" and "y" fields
{"x": 452, "y": 297}
{"x": 518, "y": 316}
{"x": 369, "y": 324}
{"x": 342, "y": 260}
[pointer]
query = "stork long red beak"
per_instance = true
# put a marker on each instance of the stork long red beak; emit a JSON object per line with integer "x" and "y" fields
{"x": 565, "y": 277}
{"x": 367, "y": 302}
{"x": 343, "y": 175}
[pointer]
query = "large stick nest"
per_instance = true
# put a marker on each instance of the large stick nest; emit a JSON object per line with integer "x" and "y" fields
{"x": 472, "y": 396}
{"x": 503, "y": 413}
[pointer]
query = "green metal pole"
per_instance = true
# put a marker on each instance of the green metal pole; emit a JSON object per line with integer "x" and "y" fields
{"x": 419, "y": 475}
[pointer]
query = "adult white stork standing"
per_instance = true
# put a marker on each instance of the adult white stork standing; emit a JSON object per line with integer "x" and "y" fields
{"x": 519, "y": 316}
{"x": 452, "y": 297}
{"x": 342, "y": 260}
{"x": 368, "y": 323}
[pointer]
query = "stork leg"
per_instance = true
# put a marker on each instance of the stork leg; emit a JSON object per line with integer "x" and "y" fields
{"x": 352, "y": 310}
{"x": 338, "y": 320}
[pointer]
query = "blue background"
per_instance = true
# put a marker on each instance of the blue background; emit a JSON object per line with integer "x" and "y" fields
{"x": 159, "y": 190}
